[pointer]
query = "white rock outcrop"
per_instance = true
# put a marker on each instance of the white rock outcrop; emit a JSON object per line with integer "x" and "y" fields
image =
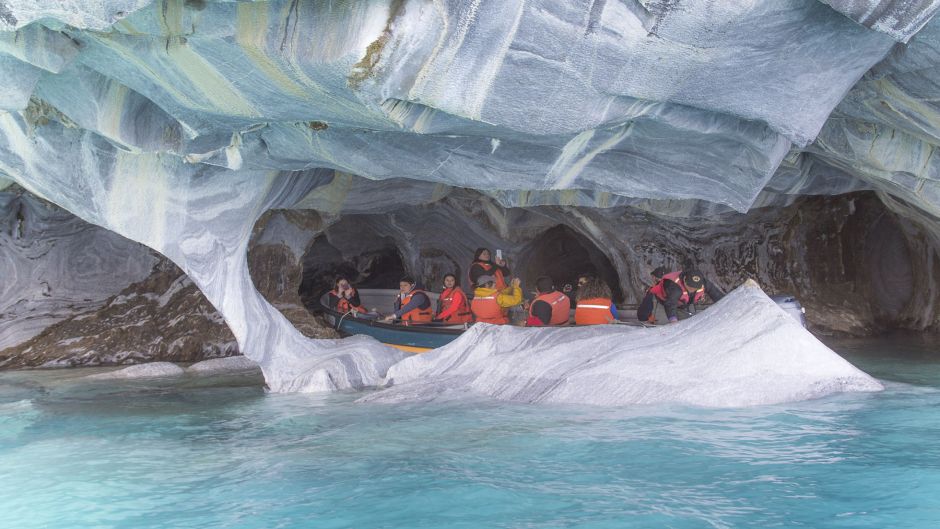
{"x": 743, "y": 351}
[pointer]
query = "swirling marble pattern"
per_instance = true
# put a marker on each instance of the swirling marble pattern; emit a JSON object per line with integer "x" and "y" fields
{"x": 178, "y": 123}
{"x": 743, "y": 352}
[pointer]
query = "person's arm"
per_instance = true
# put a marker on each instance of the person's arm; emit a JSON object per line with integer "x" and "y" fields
{"x": 713, "y": 291}
{"x": 673, "y": 293}
{"x": 475, "y": 272}
{"x": 645, "y": 309}
{"x": 418, "y": 301}
{"x": 542, "y": 311}
{"x": 509, "y": 297}
{"x": 334, "y": 301}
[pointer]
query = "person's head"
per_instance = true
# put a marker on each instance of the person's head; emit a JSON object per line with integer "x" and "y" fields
{"x": 544, "y": 285}
{"x": 450, "y": 281}
{"x": 482, "y": 254}
{"x": 693, "y": 280}
{"x": 594, "y": 288}
{"x": 658, "y": 273}
{"x": 584, "y": 278}
{"x": 486, "y": 281}
{"x": 341, "y": 283}
{"x": 405, "y": 284}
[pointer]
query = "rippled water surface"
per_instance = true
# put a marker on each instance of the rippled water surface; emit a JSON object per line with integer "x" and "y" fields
{"x": 223, "y": 453}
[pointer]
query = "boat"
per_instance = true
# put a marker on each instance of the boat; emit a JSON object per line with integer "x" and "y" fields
{"x": 422, "y": 337}
{"x": 410, "y": 337}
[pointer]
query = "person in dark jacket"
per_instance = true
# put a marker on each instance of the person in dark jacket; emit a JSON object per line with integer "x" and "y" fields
{"x": 412, "y": 304}
{"x": 483, "y": 266}
{"x": 677, "y": 291}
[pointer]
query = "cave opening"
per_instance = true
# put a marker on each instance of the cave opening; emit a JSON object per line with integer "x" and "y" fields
{"x": 563, "y": 254}
{"x": 380, "y": 267}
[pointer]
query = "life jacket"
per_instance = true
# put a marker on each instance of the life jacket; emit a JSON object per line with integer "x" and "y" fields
{"x": 487, "y": 309}
{"x": 417, "y": 315}
{"x": 560, "y": 304}
{"x": 659, "y": 289}
{"x": 462, "y": 314}
{"x": 491, "y": 270}
{"x": 593, "y": 311}
{"x": 343, "y": 305}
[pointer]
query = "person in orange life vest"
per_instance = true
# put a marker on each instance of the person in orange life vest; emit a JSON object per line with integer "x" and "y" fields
{"x": 595, "y": 306}
{"x": 412, "y": 304}
{"x": 344, "y": 298}
{"x": 683, "y": 289}
{"x": 452, "y": 305}
{"x": 491, "y": 305}
{"x": 482, "y": 265}
{"x": 550, "y": 307}
{"x": 572, "y": 292}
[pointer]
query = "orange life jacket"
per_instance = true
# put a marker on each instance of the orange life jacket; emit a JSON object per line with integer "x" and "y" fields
{"x": 659, "y": 289}
{"x": 455, "y": 295}
{"x": 417, "y": 315}
{"x": 493, "y": 271}
{"x": 593, "y": 311}
{"x": 487, "y": 309}
{"x": 560, "y": 304}
{"x": 343, "y": 305}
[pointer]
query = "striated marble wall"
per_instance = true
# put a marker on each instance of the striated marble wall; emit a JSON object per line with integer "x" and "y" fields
{"x": 76, "y": 294}
{"x": 179, "y": 123}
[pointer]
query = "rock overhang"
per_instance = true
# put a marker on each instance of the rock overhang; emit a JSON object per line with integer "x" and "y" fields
{"x": 178, "y": 123}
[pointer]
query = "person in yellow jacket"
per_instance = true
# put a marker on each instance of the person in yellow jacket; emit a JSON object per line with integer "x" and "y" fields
{"x": 490, "y": 305}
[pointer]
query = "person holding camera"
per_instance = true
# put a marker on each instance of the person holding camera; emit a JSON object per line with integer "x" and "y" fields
{"x": 483, "y": 266}
{"x": 344, "y": 298}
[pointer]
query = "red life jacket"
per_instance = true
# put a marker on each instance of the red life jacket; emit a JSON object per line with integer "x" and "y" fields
{"x": 487, "y": 309}
{"x": 455, "y": 295}
{"x": 593, "y": 311}
{"x": 343, "y": 305}
{"x": 659, "y": 289}
{"x": 416, "y": 315}
{"x": 560, "y": 304}
{"x": 493, "y": 271}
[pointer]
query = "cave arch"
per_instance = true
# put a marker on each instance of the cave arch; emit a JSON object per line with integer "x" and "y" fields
{"x": 563, "y": 254}
{"x": 381, "y": 266}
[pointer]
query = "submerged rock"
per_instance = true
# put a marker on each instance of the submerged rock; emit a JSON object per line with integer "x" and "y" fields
{"x": 151, "y": 370}
{"x": 743, "y": 351}
{"x": 224, "y": 366}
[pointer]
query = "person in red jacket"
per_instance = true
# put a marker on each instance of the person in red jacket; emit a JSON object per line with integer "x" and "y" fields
{"x": 550, "y": 307}
{"x": 452, "y": 305}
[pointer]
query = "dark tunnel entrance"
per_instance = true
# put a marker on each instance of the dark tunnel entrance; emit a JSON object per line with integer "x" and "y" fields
{"x": 381, "y": 267}
{"x": 563, "y": 254}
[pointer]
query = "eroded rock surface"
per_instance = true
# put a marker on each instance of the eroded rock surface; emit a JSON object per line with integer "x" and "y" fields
{"x": 745, "y": 351}
{"x": 179, "y": 123}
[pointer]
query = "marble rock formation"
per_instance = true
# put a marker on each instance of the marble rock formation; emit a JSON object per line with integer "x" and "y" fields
{"x": 745, "y": 352}
{"x": 76, "y": 294}
{"x": 179, "y": 123}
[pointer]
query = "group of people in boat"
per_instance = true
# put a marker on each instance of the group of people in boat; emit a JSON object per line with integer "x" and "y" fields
{"x": 495, "y": 292}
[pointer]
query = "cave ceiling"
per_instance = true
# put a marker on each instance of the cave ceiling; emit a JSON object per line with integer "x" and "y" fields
{"x": 533, "y": 102}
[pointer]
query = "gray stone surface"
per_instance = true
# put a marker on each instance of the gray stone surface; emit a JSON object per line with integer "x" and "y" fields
{"x": 178, "y": 123}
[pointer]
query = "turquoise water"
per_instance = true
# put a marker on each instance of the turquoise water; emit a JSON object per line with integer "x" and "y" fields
{"x": 223, "y": 453}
